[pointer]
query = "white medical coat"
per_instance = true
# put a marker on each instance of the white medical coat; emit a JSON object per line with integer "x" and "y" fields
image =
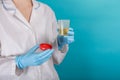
{"x": 17, "y": 36}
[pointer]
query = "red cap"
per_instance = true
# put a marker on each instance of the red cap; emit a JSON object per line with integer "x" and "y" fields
{"x": 45, "y": 46}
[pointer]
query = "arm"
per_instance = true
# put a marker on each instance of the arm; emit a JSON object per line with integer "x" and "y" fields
{"x": 11, "y": 66}
{"x": 58, "y": 55}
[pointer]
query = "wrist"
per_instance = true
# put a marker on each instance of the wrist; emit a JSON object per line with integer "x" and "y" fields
{"x": 18, "y": 62}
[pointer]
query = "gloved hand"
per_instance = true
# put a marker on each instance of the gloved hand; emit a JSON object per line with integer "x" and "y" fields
{"x": 63, "y": 40}
{"x": 32, "y": 58}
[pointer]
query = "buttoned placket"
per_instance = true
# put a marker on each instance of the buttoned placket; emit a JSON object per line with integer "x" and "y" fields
{"x": 15, "y": 12}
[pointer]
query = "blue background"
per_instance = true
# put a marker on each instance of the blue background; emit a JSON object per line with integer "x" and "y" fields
{"x": 95, "y": 54}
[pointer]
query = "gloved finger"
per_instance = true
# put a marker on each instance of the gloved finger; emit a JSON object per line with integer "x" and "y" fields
{"x": 68, "y": 37}
{"x": 70, "y": 33}
{"x": 42, "y": 53}
{"x": 70, "y": 29}
{"x": 47, "y": 52}
{"x": 39, "y": 62}
{"x": 70, "y": 41}
{"x": 45, "y": 56}
{"x": 33, "y": 49}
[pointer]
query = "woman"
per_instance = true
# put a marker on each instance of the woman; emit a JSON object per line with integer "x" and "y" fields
{"x": 24, "y": 24}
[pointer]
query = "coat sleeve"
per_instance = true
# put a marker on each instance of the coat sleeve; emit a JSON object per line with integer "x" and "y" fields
{"x": 58, "y": 55}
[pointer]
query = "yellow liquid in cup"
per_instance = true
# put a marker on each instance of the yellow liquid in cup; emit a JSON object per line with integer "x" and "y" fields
{"x": 63, "y": 31}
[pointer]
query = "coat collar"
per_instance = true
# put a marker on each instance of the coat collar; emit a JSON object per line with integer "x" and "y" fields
{"x": 9, "y": 5}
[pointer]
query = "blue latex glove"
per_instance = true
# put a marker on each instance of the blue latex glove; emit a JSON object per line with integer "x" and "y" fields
{"x": 63, "y": 40}
{"x": 31, "y": 58}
